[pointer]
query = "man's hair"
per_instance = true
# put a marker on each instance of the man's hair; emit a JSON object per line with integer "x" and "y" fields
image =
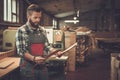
{"x": 33, "y": 7}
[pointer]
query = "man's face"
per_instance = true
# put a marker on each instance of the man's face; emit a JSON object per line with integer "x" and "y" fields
{"x": 34, "y": 19}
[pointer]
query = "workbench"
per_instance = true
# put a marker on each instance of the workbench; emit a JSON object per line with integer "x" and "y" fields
{"x": 58, "y": 67}
{"x": 58, "y": 64}
{"x": 109, "y": 44}
{"x": 8, "y": 65}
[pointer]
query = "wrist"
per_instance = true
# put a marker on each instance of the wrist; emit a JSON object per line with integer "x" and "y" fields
{"x": 34, "y": 58}
{"x": 53, "y": 50}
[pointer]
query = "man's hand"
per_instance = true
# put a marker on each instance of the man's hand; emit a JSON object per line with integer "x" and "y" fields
{"x": 39, "y": 59}
{"x": 59, "y": 53}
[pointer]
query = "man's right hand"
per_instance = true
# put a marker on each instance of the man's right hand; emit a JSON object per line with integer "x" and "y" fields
{"x": 39, "y": 59}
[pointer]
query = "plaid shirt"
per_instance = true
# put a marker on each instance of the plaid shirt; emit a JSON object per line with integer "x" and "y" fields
{"x": 22, "y": 39}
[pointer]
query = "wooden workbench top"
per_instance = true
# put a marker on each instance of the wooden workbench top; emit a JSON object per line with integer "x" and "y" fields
{"x": 109, "y": 39}
{"x": 14, "y": 64}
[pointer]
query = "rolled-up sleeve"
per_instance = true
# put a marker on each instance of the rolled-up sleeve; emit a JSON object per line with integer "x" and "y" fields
{"x": 20, "y": 42}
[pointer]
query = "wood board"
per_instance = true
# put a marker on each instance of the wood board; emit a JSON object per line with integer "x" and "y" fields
{"x": 6, "y": 64}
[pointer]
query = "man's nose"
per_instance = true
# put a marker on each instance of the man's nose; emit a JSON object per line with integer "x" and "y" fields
{"x": 38, "y": 19}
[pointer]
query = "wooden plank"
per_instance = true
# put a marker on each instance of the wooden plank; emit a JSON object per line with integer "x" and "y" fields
{"x": 6, "y": 64}
{"x": 70, "y": 38}
{"x": 10, "y": 68}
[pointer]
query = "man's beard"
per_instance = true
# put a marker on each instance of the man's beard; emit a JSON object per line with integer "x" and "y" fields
{"x": 33, "y": 24}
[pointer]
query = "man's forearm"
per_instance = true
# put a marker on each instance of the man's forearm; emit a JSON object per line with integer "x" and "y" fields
{"x": 28, "y": 56}
{"x": 36, "y": 59}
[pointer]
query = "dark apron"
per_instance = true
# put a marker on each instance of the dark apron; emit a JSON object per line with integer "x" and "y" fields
{"x": 36, "y": 41}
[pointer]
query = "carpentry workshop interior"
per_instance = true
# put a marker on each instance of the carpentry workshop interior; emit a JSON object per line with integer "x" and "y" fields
{"x": 84, "y": 34}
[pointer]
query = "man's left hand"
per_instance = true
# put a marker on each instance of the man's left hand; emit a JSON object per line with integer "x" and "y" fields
{"x": 59, "y": 53}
